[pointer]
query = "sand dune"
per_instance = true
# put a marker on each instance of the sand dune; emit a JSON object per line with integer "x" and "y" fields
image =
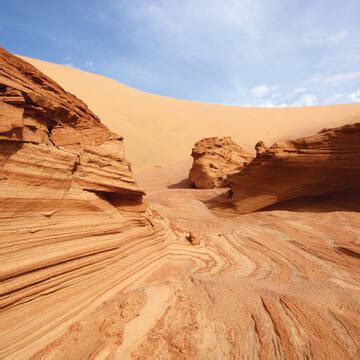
{"x": 160, "y": 130}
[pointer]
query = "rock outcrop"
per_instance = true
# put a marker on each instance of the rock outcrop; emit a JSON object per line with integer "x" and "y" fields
{"x": 214, "y": 160}
{"x": 324, "y": 163}
{"x": 266, "y": 285}
{"x": 74, "y": 224}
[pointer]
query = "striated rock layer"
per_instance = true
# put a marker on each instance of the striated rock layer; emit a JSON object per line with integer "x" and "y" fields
{"x": 265, "y": 285}
{"x": 324, "y": 163}
{"x": 214, "y": 160}
{"x": 74, "y": 224}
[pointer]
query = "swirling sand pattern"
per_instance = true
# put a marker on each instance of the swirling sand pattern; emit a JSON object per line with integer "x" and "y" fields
{"x": 286, "y": 284}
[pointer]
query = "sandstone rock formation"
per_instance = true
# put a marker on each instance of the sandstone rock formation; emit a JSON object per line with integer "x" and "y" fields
{"x": 326, "y": 162}
{"x": 74, "y": 224}
{"x": 82, "y": 270}
{"x": 214, "y": 160}
{"x": 267, "y": 285}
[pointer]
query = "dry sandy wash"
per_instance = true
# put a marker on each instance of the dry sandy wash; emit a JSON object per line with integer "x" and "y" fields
{"x": 91, "y": 271}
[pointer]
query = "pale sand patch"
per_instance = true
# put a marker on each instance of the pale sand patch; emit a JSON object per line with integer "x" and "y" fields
{"x": 135, "y": 331}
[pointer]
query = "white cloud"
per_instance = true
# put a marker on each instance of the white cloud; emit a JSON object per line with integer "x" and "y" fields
{"x": 299, "y": 91}
{"x": 306, "y": 100}
{"x": 318, "y": 37}
{"x": 186, "y": 16}
{"x": 336, "y": 78}
{"x": 276, "y": 95}
{"x": 262, "y": 90}
{"x": 270, "y": 104}
{"x": 355, "y": 96}
{"x": 343, "y": 97}
{"x": 201, "y": 29}
{"x": 219, "y": 41}
{"x": 266, "y": 103}
{"x": 269, "y": 96}
{"x": 334, "y": 98}
{"x": 293, "y": 94}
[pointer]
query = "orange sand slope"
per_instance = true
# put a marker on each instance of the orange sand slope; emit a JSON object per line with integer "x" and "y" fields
{"x": 161, "y": 130}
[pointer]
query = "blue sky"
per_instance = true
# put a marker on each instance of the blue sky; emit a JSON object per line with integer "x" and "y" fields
{"x": 239, "y": 52}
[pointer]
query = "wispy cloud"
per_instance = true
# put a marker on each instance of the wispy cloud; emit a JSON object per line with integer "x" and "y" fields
{"x": 262, "y": 90}
{"x": 202, "y": 29}
{"x": 336, "y": 78}
{"x": 306, "y": 100}
{"x": 257, "y": 52}
{"x": 355, "y": 96}
{"x": 271, "y": 96}
{"x": 334, "y": 99}
{"x": 299, "y": 91}
{"x": 237, "y": 39}
{"x": 320, "y": 38}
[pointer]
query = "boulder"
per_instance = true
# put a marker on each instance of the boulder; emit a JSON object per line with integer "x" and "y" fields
{"x": 214, "y": 160}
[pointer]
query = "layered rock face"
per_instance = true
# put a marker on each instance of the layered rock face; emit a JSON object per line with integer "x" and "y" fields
{"x": 214, "y": 160}
{"x": 324, "y": 163}
{"x": 74, "y": 224}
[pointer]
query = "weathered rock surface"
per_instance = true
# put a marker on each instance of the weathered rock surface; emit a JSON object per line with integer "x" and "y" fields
{"x": 324, "y": 163}
{"x": 74, "y": 224}
{"x": 81, "y": 255}
{"x": 267, "y": 285}
{"x": 214, "y": 160}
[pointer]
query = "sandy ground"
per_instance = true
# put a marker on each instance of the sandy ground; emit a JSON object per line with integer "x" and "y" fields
{"x": 161, "y": 131}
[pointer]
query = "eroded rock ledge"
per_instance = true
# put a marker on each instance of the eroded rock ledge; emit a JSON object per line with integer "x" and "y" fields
{"x": 74, "y": 224}
{"x": 326, "y": 162}
{"x": 214, "y": 160}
